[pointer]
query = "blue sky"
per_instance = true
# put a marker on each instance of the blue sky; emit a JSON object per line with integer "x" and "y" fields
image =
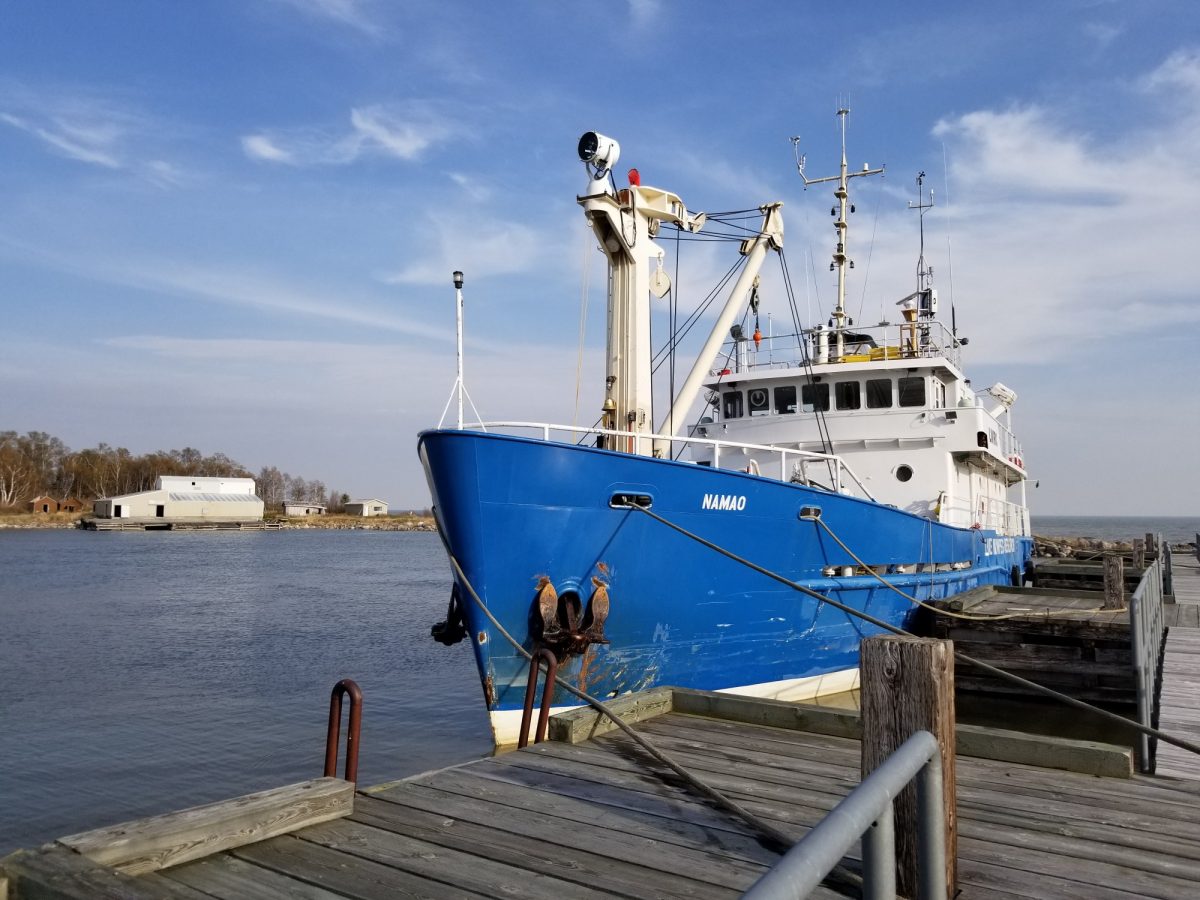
{"x": 231, "y": 225}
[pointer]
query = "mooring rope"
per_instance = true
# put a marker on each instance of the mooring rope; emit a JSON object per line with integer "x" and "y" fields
{"x": 929, "y": 606}
{"x": 781, "y": 842}
{"x": 962, "y": 657}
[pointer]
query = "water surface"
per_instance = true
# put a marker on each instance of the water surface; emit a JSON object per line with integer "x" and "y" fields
{"x": 149, "y": 671}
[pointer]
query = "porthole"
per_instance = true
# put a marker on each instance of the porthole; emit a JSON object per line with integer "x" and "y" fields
{"x": 904, "y": 473}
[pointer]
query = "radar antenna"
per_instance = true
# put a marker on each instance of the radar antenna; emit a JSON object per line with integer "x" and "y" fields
{"x": 841, "y": 258}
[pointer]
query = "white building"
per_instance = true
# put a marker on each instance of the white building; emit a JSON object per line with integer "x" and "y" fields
{"x": 371, "y": 507}
{"x": 187, "y": 498}
{"x": 300, "y": 508}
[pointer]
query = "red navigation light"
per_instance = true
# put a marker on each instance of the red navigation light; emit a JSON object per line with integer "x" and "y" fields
{"x": 635, "y": 178}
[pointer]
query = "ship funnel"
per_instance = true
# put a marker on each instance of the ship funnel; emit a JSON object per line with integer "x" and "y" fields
{"x": 1005, "y": 396}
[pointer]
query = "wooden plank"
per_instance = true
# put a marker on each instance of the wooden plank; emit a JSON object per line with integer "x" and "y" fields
{"x": 1086, "y": 757}
{"x": 597, "y": 790}
{"x": 230, "y": 878}
{"x": 1097, "y": 875}
{"x": 763, "y": 711}
{"x": 552, "y": 846}
{"x": 464, "y": 871}
{"x": 1007, "y": 876}
{"x": 59, "y": 873}
{"x": 725, "y": 838}
{"x": 344, "y": 873}
{"x": 146, "y": 845}
{"x": 701, "y": 859}
{"x": 747, "y": 771}
{"x": 582, "y": 724}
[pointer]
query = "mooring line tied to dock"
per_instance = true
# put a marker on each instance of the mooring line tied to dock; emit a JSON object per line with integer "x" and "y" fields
{"x": 887, "y": 626}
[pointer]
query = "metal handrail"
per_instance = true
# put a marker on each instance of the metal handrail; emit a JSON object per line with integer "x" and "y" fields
{"x": 543, "y": 654}
{"x": 866, "y": 813}
{"x": 353, "y": 729}
{"x": 1146, "y": 627}
{"x": 940, "y": 343}
{"x": 785, "y": 474}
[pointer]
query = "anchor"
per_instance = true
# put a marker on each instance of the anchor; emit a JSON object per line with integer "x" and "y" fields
{"x": 562, "y": 624}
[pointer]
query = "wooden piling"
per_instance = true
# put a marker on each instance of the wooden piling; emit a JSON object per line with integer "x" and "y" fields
{"x": 908, "y": 685}
{"x": 1139, "y": 553}
{"x": 1114, "y": 581}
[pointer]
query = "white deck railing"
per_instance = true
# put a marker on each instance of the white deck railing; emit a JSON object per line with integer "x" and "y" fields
{"x": 904, "y": 340}
{"x": 783, "y": 464}
{"x": 991, "y": 513}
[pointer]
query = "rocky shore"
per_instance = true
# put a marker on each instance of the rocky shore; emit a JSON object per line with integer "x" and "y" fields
{"x": 1084, "y": 547}
{"x": 373, "y": 523}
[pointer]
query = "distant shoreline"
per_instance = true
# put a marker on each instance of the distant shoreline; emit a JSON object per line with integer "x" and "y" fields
{"x": 41, "y": 522}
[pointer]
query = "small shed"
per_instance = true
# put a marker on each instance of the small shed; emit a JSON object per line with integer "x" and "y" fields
{"x": 372, "y": 507}
{"x": 70, "y": 504}
{"x": 43, "y": 504}
{"x": 300, "y": 508}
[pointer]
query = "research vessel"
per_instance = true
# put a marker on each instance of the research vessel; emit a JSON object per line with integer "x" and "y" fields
{"x": 693, "y": 548}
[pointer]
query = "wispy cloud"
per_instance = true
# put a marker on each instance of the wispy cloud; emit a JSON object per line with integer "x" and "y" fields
{"x": 354, "y": 14}
{"x": 259, "y": 146}
{"x": 227, "y": 286}
{"x": 401, "y": 132}
{"x": 1180, "y": 70}
{"x": 251, "y": 289}
{"x": 1067, "y": 229}
{"x": 88, "y": 127}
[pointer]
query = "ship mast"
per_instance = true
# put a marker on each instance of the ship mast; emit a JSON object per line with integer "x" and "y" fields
{"x": 841, "y": 257}
{"x": 924, "y": 272}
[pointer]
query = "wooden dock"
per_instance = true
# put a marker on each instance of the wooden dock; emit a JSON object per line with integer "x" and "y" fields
{"x": 1180, "y": 703}
{"x": 598, "y": 818}
{"x": 1060, "y": 638}
{"x": 174, "y": 525}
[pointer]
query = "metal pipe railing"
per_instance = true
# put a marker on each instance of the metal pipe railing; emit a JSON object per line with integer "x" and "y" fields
{"x": 866, "y": 813}
{"x": 540, "y": 655}
{"x": 353, "y": 729}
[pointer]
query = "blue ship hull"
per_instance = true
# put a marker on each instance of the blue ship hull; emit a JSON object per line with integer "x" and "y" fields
{"x": 514, "y": 510}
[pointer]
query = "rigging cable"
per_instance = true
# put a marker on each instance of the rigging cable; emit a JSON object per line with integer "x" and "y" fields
{"x": 962, "y": 657}
{"x": 780, "y": 840}
{"x": 870, "y": 254}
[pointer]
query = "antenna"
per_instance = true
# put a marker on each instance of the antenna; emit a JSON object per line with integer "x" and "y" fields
{"x": 841, "y": 257}
{"x": 924, "y": 273}
{"x": 460, "y": 386}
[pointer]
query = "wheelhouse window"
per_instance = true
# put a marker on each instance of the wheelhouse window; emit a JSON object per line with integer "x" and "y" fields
{"x": 912, "y": 391}
{"x": 760, "y": 401}
{"x": 785, "y": 399}
{"x": 732, "y": 408}
{"x": 814, "y": 397}
{"x": 879, "y": 393}
{"x": 847, "y": 395}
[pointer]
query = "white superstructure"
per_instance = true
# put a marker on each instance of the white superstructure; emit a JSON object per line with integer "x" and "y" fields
{"x": 891, "y": 400}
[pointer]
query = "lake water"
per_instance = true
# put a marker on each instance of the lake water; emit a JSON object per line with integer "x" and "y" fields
{"x": 1174, "y": 529}
{"x": 146, "y": 672}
